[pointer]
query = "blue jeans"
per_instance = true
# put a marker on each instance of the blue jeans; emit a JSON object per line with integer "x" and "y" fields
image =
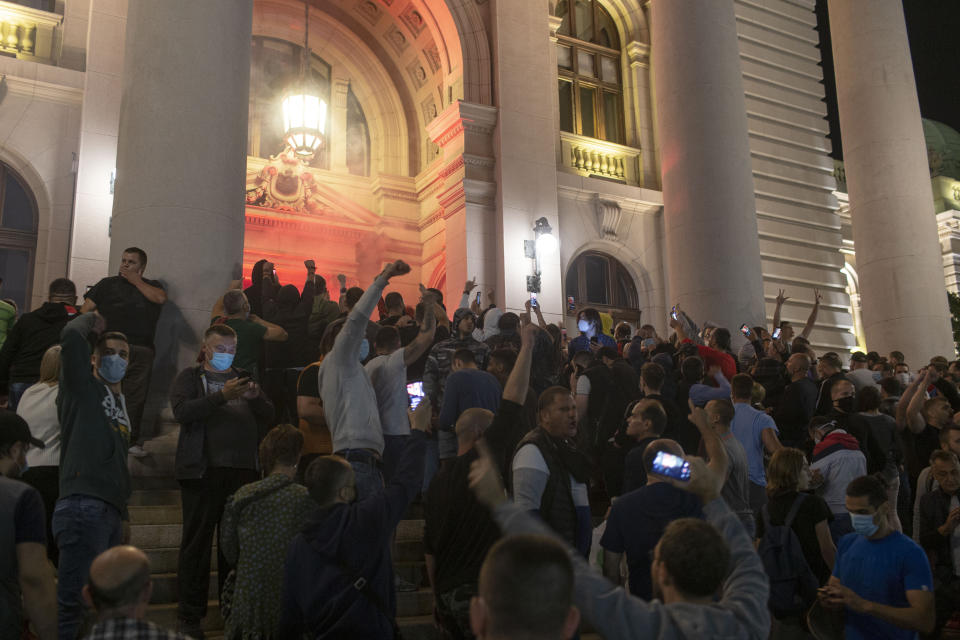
{"x": 84, "y": 527}
{"x": 393, "y": 447}
{"x": 369, "y": 478}
{"x": 14, "y": 392}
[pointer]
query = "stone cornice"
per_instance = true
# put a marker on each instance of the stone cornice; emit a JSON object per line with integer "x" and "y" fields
{"x": 46, "y": 91}
{"x": 459, "y": 117}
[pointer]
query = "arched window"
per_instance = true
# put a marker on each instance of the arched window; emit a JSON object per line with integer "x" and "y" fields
{"x": 595, "y": 279}
{"x": 588, "y": 61}
{"x": 358, "y": 137}
{"x": 18, "y": 237}
{"x": 274, "y": 65}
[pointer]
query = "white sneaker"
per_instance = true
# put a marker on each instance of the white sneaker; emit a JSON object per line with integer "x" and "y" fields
{"x": 137, "y": 451}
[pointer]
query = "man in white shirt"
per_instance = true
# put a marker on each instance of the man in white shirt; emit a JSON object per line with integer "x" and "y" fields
{"x": 388, "y": 375}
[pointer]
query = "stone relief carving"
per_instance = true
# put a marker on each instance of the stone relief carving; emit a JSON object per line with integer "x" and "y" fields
{"x": 429, "y": 108}
{"x": 417, "y": 73}
{"x": 369, "y": 10}
{"x": 413, "y": 20}
{"x": 432, "y": 53}
{"x": 397, "y": 40}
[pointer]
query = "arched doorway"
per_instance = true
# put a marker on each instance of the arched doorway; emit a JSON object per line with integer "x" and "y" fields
{"x": 596, "y": 279}
{"x": 18, "y": 237}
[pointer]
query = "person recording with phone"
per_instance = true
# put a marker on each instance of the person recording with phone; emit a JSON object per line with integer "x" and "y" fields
{"x": 223, "y": 415}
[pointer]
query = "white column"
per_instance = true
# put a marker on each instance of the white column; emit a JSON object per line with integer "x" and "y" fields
{"x": 99, "y": 120}
{"x": 710, "y": 221}
{"x": 525, "y": 72}
{"x": 181, "y": 158}
{"x": 894, "y": 227}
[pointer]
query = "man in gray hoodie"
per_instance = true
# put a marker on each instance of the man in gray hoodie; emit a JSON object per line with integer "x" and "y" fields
{"x": 690, "y": 563}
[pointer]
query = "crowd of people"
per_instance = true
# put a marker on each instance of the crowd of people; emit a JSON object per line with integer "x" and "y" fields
{"x": 622, "y": 481}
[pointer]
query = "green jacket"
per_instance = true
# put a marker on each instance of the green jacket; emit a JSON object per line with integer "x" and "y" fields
{"x": 94, "y": 427}
{"x": 8, "y": 316}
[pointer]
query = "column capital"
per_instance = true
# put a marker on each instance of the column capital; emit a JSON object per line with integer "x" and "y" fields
{"x": 555, "y": 22}
{"x": 638, "y": 54}
{"x": 459, "y": 117}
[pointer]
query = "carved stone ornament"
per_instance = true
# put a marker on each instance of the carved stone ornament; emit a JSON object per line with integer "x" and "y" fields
{"x": 283, "y": 184}
{"x": 609, "y": 215}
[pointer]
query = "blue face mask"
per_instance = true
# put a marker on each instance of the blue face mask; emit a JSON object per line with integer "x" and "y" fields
{"x": 364, "y": 349}
{"x": 221, "y": 361}
{"x": 112, "y": 368}
{"x": 863, "y": 524}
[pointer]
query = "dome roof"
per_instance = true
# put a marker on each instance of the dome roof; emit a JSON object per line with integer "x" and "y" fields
{"x": 943, "y": 149}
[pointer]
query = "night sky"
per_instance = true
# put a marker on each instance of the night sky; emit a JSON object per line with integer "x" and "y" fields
{"x": 933, "y": 27}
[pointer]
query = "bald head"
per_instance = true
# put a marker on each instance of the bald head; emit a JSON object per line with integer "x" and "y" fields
{"x": 119, "y": 582}
{"x": 470, "y": 427}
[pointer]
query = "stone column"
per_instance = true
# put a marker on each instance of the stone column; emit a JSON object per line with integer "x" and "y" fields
{"x": 466, "y": 195}
{"x": 181, "y": 159}
{"x": 525, "y": 76}
{"x": 710, "y": 221}
{"x": 894, "y": 227}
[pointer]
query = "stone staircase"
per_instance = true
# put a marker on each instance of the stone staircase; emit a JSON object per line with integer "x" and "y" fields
{"x": 155, "y": 523}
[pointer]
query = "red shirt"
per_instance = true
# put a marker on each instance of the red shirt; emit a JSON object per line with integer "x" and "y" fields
{"x": 714, "y": 358}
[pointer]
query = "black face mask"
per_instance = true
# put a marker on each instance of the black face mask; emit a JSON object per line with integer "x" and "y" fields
{"x": 845, "y": 404}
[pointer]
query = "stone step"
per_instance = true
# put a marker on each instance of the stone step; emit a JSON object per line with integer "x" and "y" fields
{"x": 151, "y": 466}
{"x": 166, "y": 560}
{"x": 165, "y": 587}
{"x": 148, "y": 535}
{"x": 415, "y": 603}
{"x": 165, "y": 615}
{"x": 155, "y": 497}
{"x": 153, "y": 483}
{"x": 155, "y": 514}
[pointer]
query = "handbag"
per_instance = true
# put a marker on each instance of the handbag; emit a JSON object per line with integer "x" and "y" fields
{"x": 230, "y": 582}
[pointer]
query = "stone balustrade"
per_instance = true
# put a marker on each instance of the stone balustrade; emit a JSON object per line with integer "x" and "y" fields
{"x": 591, "y": 157}
{"x": 30, "y": 34}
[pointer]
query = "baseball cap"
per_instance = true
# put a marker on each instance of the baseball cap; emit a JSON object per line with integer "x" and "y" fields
{"x": 13, "y": 428}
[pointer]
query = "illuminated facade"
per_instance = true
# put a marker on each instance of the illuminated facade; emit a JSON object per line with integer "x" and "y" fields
{"x": 452, "y": 126}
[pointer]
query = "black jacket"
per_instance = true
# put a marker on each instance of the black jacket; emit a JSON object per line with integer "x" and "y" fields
{"x": 29, "y": 339}
{"x": 192, "y": 405}
{"x": 934, "y": 509}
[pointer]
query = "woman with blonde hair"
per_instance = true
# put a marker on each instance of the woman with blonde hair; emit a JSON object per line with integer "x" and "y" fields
{"x": 259, "y": 521}
{"x": 788, "y": 478}
{"x": 38, "y": 406}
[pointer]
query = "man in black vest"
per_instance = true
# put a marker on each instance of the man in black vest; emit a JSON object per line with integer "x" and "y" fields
{"x": 550, "y": 475}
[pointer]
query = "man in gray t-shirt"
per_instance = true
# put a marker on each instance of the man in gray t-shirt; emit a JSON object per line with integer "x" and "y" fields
{"x": 736, "y": 487}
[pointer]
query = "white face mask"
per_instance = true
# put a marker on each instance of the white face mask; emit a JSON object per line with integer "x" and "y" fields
{"x": 584, "y": 326}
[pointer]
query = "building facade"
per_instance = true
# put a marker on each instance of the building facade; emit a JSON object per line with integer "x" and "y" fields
{"x": 677, "y": 157}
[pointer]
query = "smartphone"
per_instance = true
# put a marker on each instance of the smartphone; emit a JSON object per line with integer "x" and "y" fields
{"x": 415, "y": 393}
{"x": 745, "y": 330}
{"x": 673, "y": 313}
{"x": 776, "y": 334}
{"x": 594, "y": 340}
{"x": 533, "y": 300}
{"x": 478, "y": 298}
{"x": 671, "y": 466}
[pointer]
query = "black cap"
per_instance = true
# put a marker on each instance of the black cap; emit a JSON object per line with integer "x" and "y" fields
{"x": 13, "y": 429}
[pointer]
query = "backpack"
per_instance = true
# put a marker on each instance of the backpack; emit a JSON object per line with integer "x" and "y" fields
{"x": 793, "y": 586}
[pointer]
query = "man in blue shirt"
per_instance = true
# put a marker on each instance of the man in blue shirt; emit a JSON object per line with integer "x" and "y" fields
{"x": 881, "y": 578}
{"x": 638, "y": 519}
{"x": 756, "y": 431}
{"x": 468, "y": 387}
